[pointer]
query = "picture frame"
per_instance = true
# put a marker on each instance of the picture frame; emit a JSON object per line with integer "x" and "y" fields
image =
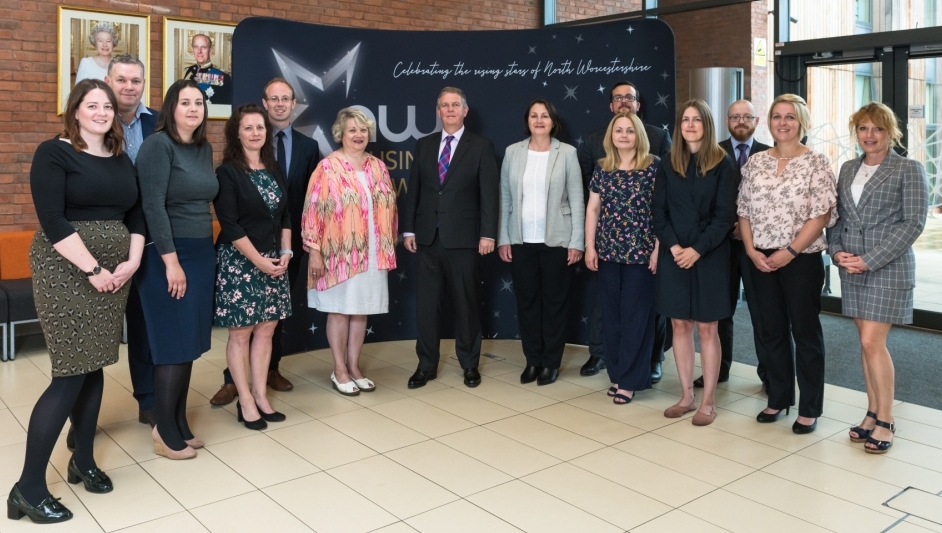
{"x": 214, "y": 74}
{"x": 80, "y": 57}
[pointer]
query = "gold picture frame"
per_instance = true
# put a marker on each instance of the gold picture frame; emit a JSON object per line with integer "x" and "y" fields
{"x": 179, "y": 60}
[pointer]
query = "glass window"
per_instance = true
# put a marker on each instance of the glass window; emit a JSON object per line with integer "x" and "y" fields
{"x": 864, "y": 11}
{"x": 818, "y": 19}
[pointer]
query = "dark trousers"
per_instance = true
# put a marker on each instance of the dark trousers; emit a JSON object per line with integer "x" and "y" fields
{"x": 627, "y": 294}
{"x": 541, "y": 283}
{"x": 140, "y": 364}
{"x": 789, "y": 302}
{"x": 662, "y": 333}
{"x": 739, "y": 270}
{"x": 456, "y": 274}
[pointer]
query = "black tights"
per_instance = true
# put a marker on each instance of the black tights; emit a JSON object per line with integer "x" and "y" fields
{"x": 78, "y": 396}
{"x": 172, "y": 382}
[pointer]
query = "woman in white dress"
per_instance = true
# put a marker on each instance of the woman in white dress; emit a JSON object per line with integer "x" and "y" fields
{"x": 349, "y": 226}
{"x": 104, "y": 38}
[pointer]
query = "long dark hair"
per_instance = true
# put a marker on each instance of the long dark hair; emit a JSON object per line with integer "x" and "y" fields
{"x": 168, "y": 124}
{"x": 710, "y": 154}
{"x": 114, "y": 139}
{"x": 235, "y": 154}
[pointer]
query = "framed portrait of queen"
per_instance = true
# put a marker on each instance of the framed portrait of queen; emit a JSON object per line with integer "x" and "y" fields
{"x": 201, "y": 51}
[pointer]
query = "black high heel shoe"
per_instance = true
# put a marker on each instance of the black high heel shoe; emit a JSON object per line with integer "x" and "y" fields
{"x": 49, "y": 511}
{"x": 768, "y": 418}
{"x": 803, "y": 429}
{"x": 271, "y": 417}
{"x": 881, "y": 445}
{"x": 862, "y": 434}
{"x": 257, "y": 425}
{"x": 95, "y": 480}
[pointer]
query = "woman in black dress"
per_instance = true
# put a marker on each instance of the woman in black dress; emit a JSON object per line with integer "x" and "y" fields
{"x": 252, "y": 252}
{"x": 89, "y": 244}
{"x": 694, "y": 210}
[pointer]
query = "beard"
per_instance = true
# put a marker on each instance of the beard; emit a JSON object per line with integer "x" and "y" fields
{"x": 742, "y": 134}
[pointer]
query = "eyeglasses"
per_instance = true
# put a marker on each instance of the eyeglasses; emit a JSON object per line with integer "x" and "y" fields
{"x": 627, "y": 98}
{"x": 741, "y": 118}
{"x": 283, "y": 99}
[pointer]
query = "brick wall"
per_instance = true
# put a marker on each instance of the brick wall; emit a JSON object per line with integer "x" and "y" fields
{"x": 569, "y": 10}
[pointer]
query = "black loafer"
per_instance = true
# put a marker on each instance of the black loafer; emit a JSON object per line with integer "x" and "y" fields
{"x": 94, "y": 480}
{"x": 420, "y": 378}
{"x": 529, "y": 374}
{"x": 593, "y": 366}
{"x": 49, "y": 511}
{"x": 698, "y": 383}
{"x": 147, "y": 416}
{"x": 70, "y": 439}
{"x": 472, "y": 378}
{"x": 802, "y": 429}
{"x": 766, "y": 418}
{"x": 656, "y": 372}
{"x": 547, "y": 376}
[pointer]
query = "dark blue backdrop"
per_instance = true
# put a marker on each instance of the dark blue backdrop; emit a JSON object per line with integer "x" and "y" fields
{"x": 396, "y": 76}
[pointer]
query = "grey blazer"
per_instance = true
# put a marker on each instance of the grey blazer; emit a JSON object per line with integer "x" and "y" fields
{"x": 882, "y": 227}
{"x": 565, "y": 205}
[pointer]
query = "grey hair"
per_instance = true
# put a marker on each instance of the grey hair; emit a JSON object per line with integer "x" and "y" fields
{"x": 208, "y": 39}
{"x": 452, "y": 90}
{"x": 346, "y": 114}
{"x": 125, "y": 59}
{"x": 106, "y": 27}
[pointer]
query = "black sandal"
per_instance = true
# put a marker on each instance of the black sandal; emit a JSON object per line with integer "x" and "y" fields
{"x": 862, "y": 434}
{"x": 881, "y": 445}
{"x": 617, "y": 397}
{"x": 612, "y": 390}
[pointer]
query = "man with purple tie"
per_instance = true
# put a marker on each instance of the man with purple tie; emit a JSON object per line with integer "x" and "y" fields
{"x": 449, "y": 219}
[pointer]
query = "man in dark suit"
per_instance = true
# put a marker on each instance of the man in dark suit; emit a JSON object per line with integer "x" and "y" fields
{"x": 297, "y": 156}
{"x": 742, "y": 120}
{"x": 216, "y": 83}
{"x": 624, "y": 96}
{"x": 449, "y": 217}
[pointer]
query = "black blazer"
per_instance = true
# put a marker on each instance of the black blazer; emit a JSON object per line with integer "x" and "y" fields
{"x": 242, "y": 213}
{"x": 727, "y": 145}
{"x": 149, "y": 122}
{"x": 592, "y": 149}
{"x": 463, "y": 209}
{"x": 304, "y": 158}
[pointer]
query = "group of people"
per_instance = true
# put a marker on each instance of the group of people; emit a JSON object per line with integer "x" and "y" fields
{"x": 123, "y": 198}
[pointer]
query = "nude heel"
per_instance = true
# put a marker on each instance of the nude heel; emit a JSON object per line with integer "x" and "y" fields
{"x": 161, "y": 449}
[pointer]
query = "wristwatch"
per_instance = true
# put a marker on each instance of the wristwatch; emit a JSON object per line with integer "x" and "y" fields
{"x": 95, "y": 271}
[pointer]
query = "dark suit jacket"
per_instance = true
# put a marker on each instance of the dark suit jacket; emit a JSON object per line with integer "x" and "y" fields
{"x": 756, "y": 148}
{"x": 592, "y": 149}
{"x": 149, "y": 122}
{"x": 242, "y": 212}
{"x": 466, "y": 206}
{"x": 304, "y": 159}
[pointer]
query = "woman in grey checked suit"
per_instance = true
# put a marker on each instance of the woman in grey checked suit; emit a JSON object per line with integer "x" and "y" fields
{"x": 882, "y": 202}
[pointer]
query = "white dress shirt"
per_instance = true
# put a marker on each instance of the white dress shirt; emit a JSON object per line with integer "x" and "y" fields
{"x": 533, "y": 208}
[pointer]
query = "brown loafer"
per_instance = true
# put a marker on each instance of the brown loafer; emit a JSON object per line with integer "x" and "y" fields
{"x": 278, "y": 382}
{"x": 226, "y": 394}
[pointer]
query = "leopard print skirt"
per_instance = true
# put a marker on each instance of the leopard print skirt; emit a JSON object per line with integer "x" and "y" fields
{"x": 82, "y": 326}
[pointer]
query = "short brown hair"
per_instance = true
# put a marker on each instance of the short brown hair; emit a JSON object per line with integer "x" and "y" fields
{"x": 274, "y": 81}
{"x": 168, "y": 124}
{"x": 550, "y": 108}
{"x": 114, "y": 139}
{"x": 882, "y": 117}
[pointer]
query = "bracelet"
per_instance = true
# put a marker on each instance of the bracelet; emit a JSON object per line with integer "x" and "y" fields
{"x": 289, "y": 252}
{"x": 791, "y": 251}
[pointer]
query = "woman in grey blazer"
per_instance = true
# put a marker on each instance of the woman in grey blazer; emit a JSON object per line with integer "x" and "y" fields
{"x": 542, "y": 217}
{"x": 883, "y": 203}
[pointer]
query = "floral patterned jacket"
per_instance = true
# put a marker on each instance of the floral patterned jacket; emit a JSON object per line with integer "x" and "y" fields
{"x": 334, "y": 220}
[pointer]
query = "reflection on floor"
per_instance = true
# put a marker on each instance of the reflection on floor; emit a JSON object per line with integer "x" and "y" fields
{"x": 501, "y": 457}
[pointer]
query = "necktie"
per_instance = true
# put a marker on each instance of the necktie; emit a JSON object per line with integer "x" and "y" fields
{"x": 445, "y": 159}
{"x": 743, "y": 156}
{"x": 282, "y": 158}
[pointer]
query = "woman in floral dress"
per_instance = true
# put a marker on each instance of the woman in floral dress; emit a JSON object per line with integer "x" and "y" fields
{"x": 253, "y": 250}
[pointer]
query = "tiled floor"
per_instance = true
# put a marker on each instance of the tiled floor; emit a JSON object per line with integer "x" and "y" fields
{"x": 501, "y": 457}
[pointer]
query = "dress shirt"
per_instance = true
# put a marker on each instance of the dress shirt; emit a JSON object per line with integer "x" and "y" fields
{"x": 288, "y": 144}
{"x": 533, "y": 210}
{"x": 748, "y": 142}
{"x": 133, "y": 134}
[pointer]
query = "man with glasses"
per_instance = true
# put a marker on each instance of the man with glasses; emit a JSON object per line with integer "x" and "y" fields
{"x": 624, "y": 96}
{"x": 297, "y": 156}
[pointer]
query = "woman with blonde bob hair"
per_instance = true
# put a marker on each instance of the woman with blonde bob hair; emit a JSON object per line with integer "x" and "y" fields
{"x": 882, "y": 203}
{"x": 349, "y": 226}
{"x": 622, "y": 248}
{"x": 694, "y": 210}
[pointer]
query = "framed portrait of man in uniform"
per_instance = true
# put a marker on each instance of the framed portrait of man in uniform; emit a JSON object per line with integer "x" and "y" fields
{"x": 88, "y": 39}
{"x": 201, "y": 51}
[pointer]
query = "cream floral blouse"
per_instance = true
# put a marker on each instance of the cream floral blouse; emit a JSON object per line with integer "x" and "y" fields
{"x": 777, "y": 206}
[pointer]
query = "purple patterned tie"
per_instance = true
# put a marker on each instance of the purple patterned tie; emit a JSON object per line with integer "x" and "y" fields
{"x": 743, "y": 156}
{"x": 444, "y": 159}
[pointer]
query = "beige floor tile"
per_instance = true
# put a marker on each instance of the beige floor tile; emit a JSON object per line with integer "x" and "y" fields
{"x": 398, "y": 527}
{"x": 921, "y": 433}
{"x": 749, "y": 516}
{"x": 744, "y": 371}
{"x": 308, "y": 367}
{"x": 922, "y": 523}
{"x": 11, "y": 432}
{"x": 81, "y": 522}
{"x": 609, "y": 501}
{"x": 397, "y": 379}
{"x": 848, "y": 414}
{"x": 392, "y": 486}
{"x": 206, "y": 383}
{"x": 663, "y": 484}
{"x": 367, "y": 363}
{"x": 448, "y": 467}
{"x": 261, "y": 460}
{"x": 390, "y": 352}
{"x": 511, "y": 396}
{"x": 733, "y": 447}
{"x": 844, "y": 395}
{"x": 137, "y": 499}
{"x": 908, "y": 527}
{"x": 656, "y": 399}
{"x": 561, "y": 391}
{"x": 215, "y": 425}
{"x": 248, "y": 513}
{"x": 379, "y": 396}
{"x": 927, "y": 457}
{"x": 817, "y": 506}
{"x": 534, "y": 511}
{"x": 117, "y": 405}
{"x": 827, "y": 425}
{"x": 581, "y": 422}
{"x": 374, "y": 430}
{"x": 501, "y": 368}
{"x": 12, "y": 457}
{"x": 884, "y": 468}
{"x": 555, "y": 441}
{"x": 134, "y": 438}
{"x": 467, "y": 406}
{"x": 177, "y": 523}
{"x": 919, "y": 414}
{"x": 199, "y": 481}
{"x": 315, "y": 401}
{"x": 776, "y": 435}
{"x": 108, "y": 455}
{"x": 498, "y": 451}
{"x": 597, "y": 382}
{"x": 459, "y": 517}
{"x": 320, "y": 444}
{"x": 633, "y": 414}
{"x": 328, "y": 506}
{"x": 705, "y": 466}
{"x": 423, "y": 417}
{"x": 675, "y": 521}
{"x": 24, "y": 390}
{"x": 745, "y": 387}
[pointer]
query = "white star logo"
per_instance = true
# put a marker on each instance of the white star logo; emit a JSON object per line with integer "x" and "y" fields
{"x": 402, "y": 276}
{"x": 369, "y": 330}
{"x": 587, "y": 111}
{"x": 630, "y": 30}
{"x": 570, "y": 93}
{"x": 578, "y": 269}
{"x": 496, "y": 314}
{"x": 601, "y": 89}
{"x": 544, "y": 84}
{"x": 665, "y": 75}
{"x": 579, "y": 39}
{"x": 313, "y": 328}
{"x": 664, "y": 126}
{"x": 585, "y": 320}
{"x": 532, "y": 49}
{"x": 661, "y": 100}
{"x": 579, "y": 141}
{"x": 506, "y": 285}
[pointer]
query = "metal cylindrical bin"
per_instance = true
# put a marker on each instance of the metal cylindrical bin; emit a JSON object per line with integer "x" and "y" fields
{"x": 719, "y": 87}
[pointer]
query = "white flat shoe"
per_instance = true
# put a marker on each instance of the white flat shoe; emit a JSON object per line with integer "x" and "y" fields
{"x": 347, "y": 389}
{"x": 365, "y": 384}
